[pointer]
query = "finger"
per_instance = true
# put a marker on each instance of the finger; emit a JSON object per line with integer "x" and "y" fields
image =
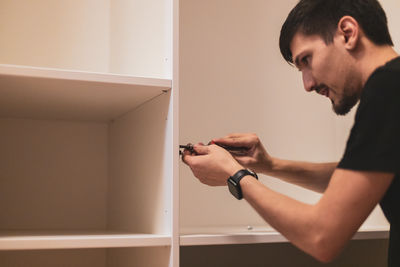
{"x": 233, "y": 135}
{"x": 239, "y": 153}
{"x": 187, "y": 157}
{"x": 241, "y": 141}
{"x": 201, "y": 149}
{"x": 226, "y": 138}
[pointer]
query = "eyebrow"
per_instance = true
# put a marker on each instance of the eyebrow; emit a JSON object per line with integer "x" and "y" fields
{"x": 296, "y": 60}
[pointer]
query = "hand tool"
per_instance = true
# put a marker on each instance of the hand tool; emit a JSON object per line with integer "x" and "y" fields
{"x": 231, "y": 149}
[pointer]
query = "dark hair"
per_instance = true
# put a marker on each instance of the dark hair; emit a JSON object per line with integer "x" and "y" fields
{"x": 320, "y": 17}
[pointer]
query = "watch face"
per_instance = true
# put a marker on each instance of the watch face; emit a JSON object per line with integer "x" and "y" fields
{"x": 234, "y": 189}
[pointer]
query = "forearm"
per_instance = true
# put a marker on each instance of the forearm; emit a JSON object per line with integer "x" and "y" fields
{"x": 300, "y": 223}
{"x": 314, "y": 176}
{"x": 324, "y": 228}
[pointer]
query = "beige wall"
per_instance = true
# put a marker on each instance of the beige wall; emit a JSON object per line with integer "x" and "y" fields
{"x": 233, "y": 79}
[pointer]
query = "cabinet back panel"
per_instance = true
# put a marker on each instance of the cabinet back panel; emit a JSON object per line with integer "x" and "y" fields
{"x": 53, "y": 175}
{"x": 140, "y": 37}
{"x": 70, "y": 34}
{"x": 138, "y": 257}
{"x": 51, "y": 258}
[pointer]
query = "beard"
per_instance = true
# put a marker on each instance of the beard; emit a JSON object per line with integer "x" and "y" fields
{"x": 348, "y": 100}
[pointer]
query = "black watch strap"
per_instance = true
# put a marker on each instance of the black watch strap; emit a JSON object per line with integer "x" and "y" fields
{"x": 234, "y": 182}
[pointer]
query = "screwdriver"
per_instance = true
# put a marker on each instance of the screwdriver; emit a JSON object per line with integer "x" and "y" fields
{"x": 230, "y": 149}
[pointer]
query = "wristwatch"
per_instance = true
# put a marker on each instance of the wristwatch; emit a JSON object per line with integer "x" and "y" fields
{"x": 234, "y": 182}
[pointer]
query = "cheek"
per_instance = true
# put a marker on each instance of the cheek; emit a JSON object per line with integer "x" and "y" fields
{"x": 327, "y": 65}
{"x": 325, "y": 72}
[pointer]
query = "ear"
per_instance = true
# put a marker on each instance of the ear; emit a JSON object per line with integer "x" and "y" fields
{"x": 349, "y": 32}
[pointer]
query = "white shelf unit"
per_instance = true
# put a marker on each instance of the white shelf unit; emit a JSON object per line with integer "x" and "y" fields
{"x": 83, "y": 161}
{"x": 36, "y": 240}
{"x": 87, "y": 122}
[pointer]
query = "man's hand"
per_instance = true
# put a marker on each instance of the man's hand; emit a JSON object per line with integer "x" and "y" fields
{"x": 256, "y": 158}
{"x": 212, "y": 165}
{"x": 314, "y": 176}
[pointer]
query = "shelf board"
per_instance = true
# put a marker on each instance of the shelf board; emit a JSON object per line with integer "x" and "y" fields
{"x": 257, "y": 237}
{"x": 44, "y": 93}
{"x": 28, "y": 240}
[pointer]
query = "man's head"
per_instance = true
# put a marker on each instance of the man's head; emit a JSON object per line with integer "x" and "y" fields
{"x": 322, "y": 38}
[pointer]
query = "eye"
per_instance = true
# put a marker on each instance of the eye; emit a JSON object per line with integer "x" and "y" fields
{"x": 305, "y": 61}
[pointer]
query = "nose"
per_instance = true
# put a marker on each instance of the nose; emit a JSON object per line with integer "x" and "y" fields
{"x": 308, "y": 81}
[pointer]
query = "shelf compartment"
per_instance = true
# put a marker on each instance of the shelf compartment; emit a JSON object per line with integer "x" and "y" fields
{"x": 31, "y": 92}
{"x": 74, "y": 174}
{"x": 258, "y": 236}
{"x": 116, "y": 36}
{"x": 27, "y": 240}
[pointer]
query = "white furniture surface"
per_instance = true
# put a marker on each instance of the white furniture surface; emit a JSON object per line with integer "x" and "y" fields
{"x": 87, "y": 133}
{"x": 83, "y": 162}
{"x": 259, "y": 236}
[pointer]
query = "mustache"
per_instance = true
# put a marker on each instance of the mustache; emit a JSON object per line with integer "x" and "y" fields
{"x": 319, "y": 87}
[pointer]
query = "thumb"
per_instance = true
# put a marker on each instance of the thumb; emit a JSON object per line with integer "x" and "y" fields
{"x": 187, "y": 157}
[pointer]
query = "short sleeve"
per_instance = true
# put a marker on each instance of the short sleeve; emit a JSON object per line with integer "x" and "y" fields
{"x": 374, "y": 142}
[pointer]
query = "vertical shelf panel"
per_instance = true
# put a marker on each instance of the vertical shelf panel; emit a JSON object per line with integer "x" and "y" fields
{"x": 138, "y": 178}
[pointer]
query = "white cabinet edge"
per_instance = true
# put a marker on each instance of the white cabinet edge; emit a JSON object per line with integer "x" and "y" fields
{"x": 49, "y": 73}
{"x": 264, "y": 237}
{"x": 61, "y": 241}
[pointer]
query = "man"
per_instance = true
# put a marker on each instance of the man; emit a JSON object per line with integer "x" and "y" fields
{"x": 344, "y": 52}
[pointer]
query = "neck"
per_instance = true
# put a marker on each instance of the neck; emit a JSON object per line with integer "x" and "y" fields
{"x": 375, "y": 57}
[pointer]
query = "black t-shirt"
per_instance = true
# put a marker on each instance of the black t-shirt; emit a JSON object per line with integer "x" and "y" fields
{"x": 374, "y": 142}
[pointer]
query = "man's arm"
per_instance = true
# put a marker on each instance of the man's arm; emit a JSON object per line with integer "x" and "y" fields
{"x": 314, "y": 176}
{"x": 323, "y": 229}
